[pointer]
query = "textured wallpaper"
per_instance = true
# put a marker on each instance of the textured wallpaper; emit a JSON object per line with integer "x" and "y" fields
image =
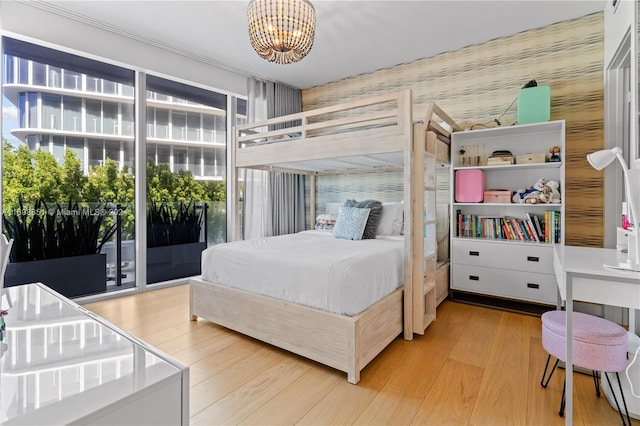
{"x": 475, "y": 85}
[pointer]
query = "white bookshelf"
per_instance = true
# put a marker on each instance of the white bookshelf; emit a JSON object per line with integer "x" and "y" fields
{"x": 517, "y": 269}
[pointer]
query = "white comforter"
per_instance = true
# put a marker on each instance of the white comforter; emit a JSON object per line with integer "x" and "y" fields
{"x": 311, "y": 268}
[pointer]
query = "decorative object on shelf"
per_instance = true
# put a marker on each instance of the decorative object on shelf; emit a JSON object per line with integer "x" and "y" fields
{"x": 534, "y": 104}
{"x": 469, "y": 186}
{"x": 599, "y": 160}
{"x": 281, "y": 31}
{"x": 531, "y": 158}
{"x": 497, "y": 196}
{"x": 472, "y": 156}
{"x": 555, "y": 154}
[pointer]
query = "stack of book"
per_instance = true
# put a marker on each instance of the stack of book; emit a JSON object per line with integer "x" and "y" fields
{"x": 500, "y": 158}
{"x": 530, "y": 228}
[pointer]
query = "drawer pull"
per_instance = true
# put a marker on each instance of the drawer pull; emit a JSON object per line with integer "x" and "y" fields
{"x": 533, "y": 259}
{"x": 474, "y": 278}
{"x": 474, "y": 253}
{"x": 532, "y": 285}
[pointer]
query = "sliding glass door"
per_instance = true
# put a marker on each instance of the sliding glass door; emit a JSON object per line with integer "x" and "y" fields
{"x": 69, "y": 163}
{"x": 68, "y": 176}
{"x": 186, "y": 176}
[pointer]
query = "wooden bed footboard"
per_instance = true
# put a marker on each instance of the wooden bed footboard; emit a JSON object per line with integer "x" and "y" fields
{"x": 345, "y": 343}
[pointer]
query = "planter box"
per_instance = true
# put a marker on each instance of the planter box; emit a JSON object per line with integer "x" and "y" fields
{"x": 172, "y": 262}
{"x": 70, "y": 276}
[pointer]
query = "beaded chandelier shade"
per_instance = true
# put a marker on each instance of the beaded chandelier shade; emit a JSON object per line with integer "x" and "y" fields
{"x": 281, "y": 31}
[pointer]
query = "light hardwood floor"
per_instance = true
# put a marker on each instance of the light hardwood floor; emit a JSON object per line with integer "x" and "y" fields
{"x": 474, "y": 366}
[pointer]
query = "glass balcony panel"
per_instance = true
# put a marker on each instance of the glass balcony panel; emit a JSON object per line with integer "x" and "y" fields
{"x": 164, "y": 155}
{"x": 32, "y": 110}
{"x": 162, "y": 124}
{"x": 51, "y": 108}
{"x": 179, "y": 159}
{"x": 39, "y": 74}
{"x": 110, "y": 118}
{"x": 55, "y": 77}
{"x": 178, "y": 125}
{"x": 93, "y": 116}
{"x": 72, "y": 80}
{"x": 72, "y": 114}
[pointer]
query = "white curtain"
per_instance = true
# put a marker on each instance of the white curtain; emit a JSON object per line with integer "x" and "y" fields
{"x": 256, "y": 218}
{"x": 273, "y": 202}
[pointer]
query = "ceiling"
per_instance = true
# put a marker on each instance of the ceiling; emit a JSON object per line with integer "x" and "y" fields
{"x": 352, "y": 37}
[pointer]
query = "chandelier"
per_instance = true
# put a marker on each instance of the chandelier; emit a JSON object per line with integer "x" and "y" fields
{"x": 281, "y": 31}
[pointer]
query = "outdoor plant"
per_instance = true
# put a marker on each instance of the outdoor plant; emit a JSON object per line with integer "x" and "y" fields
{"x": 170, "y": 226}
{"x": 50, "y": 231}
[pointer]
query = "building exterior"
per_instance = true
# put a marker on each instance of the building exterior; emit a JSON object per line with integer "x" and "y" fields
{"x": 94, "y": 117}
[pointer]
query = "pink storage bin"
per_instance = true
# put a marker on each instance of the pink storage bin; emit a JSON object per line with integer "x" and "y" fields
{"x": 469, "y": 186}
{"x": 497, "y": 196}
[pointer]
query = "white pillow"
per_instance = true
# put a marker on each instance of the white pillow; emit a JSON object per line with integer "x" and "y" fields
{"x": 392, "y": 219}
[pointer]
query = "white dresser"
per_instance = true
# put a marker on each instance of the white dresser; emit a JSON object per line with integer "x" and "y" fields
{"x": 62, "y": 364}
{"x": 511, "y": 270}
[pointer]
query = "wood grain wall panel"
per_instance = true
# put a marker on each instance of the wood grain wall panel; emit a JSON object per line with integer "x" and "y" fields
{"x": 475, "y": 85}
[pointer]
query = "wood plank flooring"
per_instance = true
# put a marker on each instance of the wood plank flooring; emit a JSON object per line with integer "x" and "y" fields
{"x": 473, "y": 366}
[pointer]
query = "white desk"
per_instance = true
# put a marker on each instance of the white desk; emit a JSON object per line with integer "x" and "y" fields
{"x": 582, "y": 276}
{"x": 61, "y": 364}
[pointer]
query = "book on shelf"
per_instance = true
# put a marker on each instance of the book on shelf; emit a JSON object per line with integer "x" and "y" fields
{"x": 530, "y": 228}
{"x": 539, "y": 227}
{"x": 499, "y": 161}
{"x": 500, "y": 157}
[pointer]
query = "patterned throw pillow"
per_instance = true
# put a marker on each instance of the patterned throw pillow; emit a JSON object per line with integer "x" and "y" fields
{"x": 325, "y": 222}
{"x": 351, "y": 223}
{"x": 374, "y": 216}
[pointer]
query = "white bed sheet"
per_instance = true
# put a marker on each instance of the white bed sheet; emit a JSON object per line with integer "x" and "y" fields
{"x": 312, "y": 268}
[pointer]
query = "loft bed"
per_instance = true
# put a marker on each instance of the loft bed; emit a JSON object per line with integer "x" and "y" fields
{"x": 367, "y": 135}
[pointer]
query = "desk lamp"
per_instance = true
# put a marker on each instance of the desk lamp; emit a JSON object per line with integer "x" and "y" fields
{"x": 599, "y": 160}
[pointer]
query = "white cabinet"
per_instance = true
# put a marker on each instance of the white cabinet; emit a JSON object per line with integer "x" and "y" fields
{"x": 61, "y": 364}
{"x": 494, "y": 250}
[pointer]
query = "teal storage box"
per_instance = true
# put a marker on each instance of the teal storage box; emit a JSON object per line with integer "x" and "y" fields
{"x": 534, "y": 105}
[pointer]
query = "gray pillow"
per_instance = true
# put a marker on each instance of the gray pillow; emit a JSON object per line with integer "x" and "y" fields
{"x": 375, "y": 214}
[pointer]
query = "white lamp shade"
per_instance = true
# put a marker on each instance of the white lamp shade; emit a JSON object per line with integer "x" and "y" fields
{"x": 601, "y": 159}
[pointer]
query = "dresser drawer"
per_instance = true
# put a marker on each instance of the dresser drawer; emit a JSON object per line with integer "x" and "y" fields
{"x": 529, "y": 286}
{"x": 503, "y": 255}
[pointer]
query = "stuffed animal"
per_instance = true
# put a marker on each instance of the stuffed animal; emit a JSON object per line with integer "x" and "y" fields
{"x": 543, "y": 191}
{"x": 529, "y": 195}
{"x": 549, "y": 190}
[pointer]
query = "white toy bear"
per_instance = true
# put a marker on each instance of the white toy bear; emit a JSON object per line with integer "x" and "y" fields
{"x": 543, "y": 191}
{"x": 549, "y": 191}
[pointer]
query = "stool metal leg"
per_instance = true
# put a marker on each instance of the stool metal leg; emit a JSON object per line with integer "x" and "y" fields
{"x": 594, "y": 373}
{"x": 564, "y": 401}
{"x": 542, "y": 382}
{"x": 624, "y": 423}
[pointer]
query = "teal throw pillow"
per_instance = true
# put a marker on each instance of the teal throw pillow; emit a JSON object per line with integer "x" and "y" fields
{"x": 350, "y": 223}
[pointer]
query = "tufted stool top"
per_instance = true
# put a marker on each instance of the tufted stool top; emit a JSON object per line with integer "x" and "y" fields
{"x": 587, "y": 328}
{"x": 598, "y": 344}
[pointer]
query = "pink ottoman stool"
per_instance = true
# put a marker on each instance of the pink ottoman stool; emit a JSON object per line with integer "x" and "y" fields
{"x": 598, "y": 345}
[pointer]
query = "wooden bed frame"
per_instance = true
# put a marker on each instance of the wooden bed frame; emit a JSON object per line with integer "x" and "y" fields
{"x": 372, "y": 129}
